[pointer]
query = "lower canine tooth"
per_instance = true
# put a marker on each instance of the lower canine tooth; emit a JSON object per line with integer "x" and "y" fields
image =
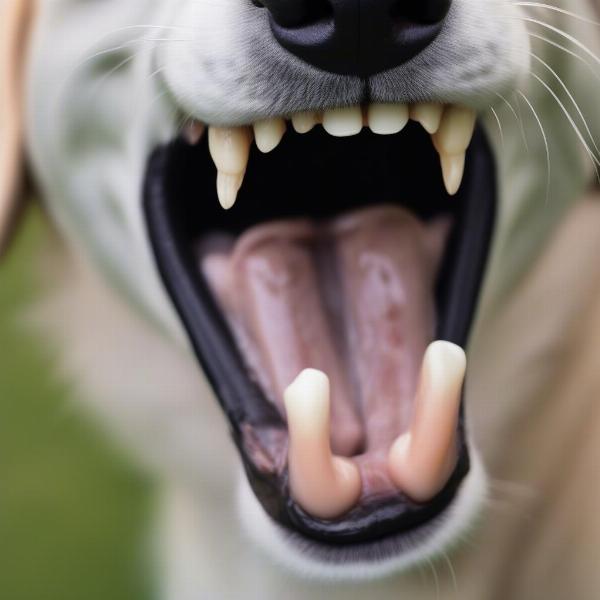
{"x": 421, "y": 460}
{"x": 268, "y": 134}
{"x": 428, "y": 114}
{"x": 453, "y": 168}
{"x": 386, "y": 119}
{"x": 303, "y": 122}
{"x": 343, "y": 122}
{"x": 230, "y": 149}
{"x": 325, "y": 485}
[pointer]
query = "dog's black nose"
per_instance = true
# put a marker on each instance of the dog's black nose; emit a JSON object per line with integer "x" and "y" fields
{"x": 356, "y": 37}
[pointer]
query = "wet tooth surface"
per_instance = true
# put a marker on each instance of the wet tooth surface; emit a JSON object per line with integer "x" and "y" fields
{"x": 230, "y": 150}
{"x": 453, "y": 168}
{"x": 343, "y": 122}
{"x": 228, "y": 187}
{"x": 428, "y": 114}
{"x": 387, "y": 119}
{"x": 268, "y": 134}
{"x": 325, "y": 485}
{"x": 421, "y": 460}
{"x": 303, "y": 122}
{"x": 456, "y": 130}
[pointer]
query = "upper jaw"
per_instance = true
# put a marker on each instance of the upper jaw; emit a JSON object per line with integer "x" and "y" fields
{"x": 451, "y": 128}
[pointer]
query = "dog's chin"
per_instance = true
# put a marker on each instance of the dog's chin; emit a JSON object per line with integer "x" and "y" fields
{"x": 382, "y": 558}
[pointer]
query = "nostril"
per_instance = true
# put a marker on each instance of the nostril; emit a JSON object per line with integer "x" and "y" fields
{"x": 422, "y": 12}
{"x": 297, "y": 13}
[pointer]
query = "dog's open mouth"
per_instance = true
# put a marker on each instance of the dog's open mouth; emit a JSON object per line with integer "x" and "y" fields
{"x": 326, "y": 307}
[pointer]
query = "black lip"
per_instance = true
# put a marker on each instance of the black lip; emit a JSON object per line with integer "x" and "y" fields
{"x": 168, "y": 205}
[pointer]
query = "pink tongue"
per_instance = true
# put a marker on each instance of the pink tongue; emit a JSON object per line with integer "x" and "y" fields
{"x": 352, "y": 298}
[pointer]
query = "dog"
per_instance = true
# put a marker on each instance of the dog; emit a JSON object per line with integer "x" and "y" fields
{"x": 283, "y": 222}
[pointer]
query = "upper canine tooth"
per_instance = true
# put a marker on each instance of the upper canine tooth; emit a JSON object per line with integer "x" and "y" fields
{"x": 230, "y": 149}
{"x": 428, "y": 114}
{"x": 303, "y": 122}
{"x": 455, "y": 131}
{"x": 228, "y": 187}
{"x": 453, "y": 168}
{"x": 343, "y": 122}
{"x": 421, "y": 460}
{"x": 268, "y": 134}
{"x": 325, "y": 485}
{"x": 386, "y": 119}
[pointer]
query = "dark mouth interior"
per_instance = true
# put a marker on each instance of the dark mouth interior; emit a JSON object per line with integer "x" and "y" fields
{"x": 319, "y": 177}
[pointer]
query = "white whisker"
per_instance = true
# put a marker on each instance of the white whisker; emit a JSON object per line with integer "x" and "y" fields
{"x": 106, "y": 35}
{"x": 545, "y": 142}
{"x": 435, "y": 578}
{"x": 517, "y": 118}
{"x": 94, "y": 89}
{"x": 499, "y": 125}
{"x": 563, "y": 34}
{"x": 126, "y": 45}
{"x": 592, "y": 156}
{"x": 564, "y": 87}
{"x": 567, "y": 50}
{"x": 559, "y": 10}
{"x": 452, "y": 571}
{"x": 523, "y": 132}
{"x": 156, "y": 72}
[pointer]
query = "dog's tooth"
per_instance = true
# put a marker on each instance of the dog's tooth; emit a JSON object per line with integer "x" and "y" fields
{"x": 421, "y": 460}
{"x": 453, "y": 168}
{"x": 193, "y": 132}
{"x": 428, "y": 114}
{"x": 230, "y": 149}
{"x": 303, "y": 122}
{"x": 455, "y": 131}
{"x": 325, "y": 485}
{"x": 228, "y": 186}
{"x": 343, "y": 122}
{"x": 387, "y": 119}
{"x": 268, "y": 134}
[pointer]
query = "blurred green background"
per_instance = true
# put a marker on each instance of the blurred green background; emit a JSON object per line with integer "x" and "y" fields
{"x": 73, "y": 514}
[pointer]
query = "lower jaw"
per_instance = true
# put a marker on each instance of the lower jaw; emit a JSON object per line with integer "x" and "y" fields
{"x": 177, "y": 217}
{"x": 395, "y": 552}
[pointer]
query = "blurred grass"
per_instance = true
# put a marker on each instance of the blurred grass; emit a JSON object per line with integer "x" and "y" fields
{"x": 72, "y": 513}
